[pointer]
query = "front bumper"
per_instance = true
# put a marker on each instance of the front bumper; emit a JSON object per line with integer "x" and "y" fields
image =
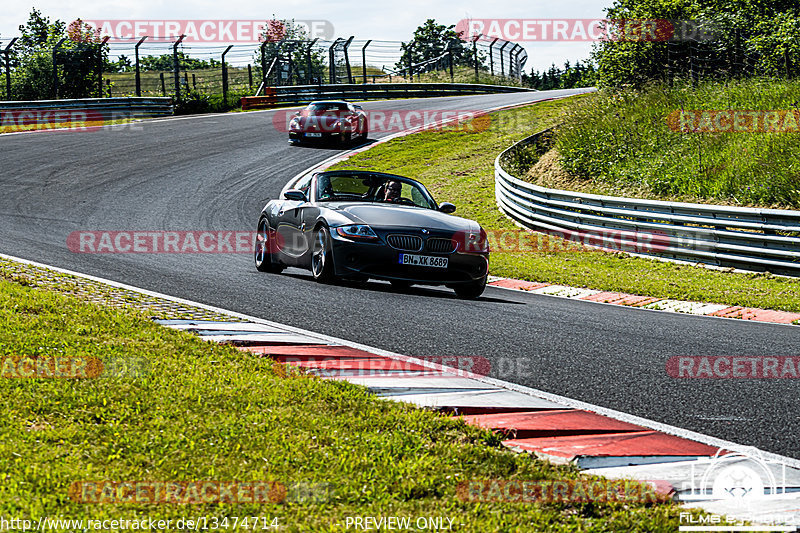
{"x": 380, "y": 261}
{"x": 299, "y": 136}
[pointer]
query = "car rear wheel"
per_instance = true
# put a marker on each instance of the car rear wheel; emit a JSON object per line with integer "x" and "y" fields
{"x": 321, "y": 256}
{"x": 264, "y": 248}
{"x": 470, "y": 291}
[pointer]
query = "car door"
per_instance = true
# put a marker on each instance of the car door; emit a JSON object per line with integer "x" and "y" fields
{"x": 291, "y": 230}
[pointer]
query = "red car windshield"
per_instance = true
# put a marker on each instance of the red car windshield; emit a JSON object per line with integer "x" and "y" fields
{"x": 321, "y": 109}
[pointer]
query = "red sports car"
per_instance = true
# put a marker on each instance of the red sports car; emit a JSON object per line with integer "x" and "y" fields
{"x": 329, "y": 120}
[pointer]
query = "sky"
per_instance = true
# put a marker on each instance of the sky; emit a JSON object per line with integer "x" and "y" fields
{"x": 374, "y": 19}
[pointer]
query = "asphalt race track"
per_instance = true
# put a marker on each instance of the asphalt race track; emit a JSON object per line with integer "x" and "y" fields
{"x": 216, "y": 172}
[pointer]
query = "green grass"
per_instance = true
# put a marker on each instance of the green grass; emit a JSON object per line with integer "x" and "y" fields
{"x": 619, "y": 142}
{"x": 458, "y": 167}
{"x": 211, "y": 412}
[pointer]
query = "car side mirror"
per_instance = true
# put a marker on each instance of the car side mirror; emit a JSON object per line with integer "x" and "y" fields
{"x": 296, "y": 195}
{"x": 447, "y": 207}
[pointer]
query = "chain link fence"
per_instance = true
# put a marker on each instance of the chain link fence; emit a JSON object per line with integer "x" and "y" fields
{"x": 166, "y": 66}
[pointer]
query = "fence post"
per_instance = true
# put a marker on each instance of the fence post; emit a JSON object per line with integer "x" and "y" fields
{"x": 502, "y": 66}
{"x": 249, "y": 76}
{"x": 491, "y": 55}
{"x": 364, "y": 60}
{"x": 347, "y": 60}
{"x": 450, "y": 54}
{"x": 309, "y": 65}
{"x": 264, "y": 63}
{"x": 225, "y": 76}
{"x": 7, "y": 53}
{"x": 410, "y": 62}
{"x": 163, "y": 84}
{"x": 290, "y": 63}
{"x": 138, "y": 75}
{"x": 332, "y": 62}
{"x": 475, "y": 53}
{"x": 100, "y": 67}
{"x": 177, "y": 68}
{"x": 55, "y": 66}
{"x": 520, "y": 63}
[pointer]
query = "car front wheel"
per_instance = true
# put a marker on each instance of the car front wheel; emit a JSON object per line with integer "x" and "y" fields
{"x": 470, "y": 291}
{"x": 321, "y": 256}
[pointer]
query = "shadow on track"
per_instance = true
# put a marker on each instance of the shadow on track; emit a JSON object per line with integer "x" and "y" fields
{"x": 385, "y": 287}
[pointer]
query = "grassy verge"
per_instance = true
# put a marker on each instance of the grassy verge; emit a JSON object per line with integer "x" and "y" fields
{"x": 458, "y": 166}
{"x": 620, "y": 142}
{"x": 210, "y": 412}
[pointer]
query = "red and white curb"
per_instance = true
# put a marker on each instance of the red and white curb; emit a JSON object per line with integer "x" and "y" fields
{"x": 600, "y": 441}
{"x": 648, "y": 302}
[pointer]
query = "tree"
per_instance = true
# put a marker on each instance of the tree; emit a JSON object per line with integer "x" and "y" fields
{"x": 286, "y": 40}
{"x": 736, "y": 37}
{"x": 430, "y": 41}
{"x": 77, "y": 59}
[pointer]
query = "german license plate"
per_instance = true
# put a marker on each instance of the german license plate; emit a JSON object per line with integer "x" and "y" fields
{"x": 423, "y": 260}
{"x": 313, "y": 135}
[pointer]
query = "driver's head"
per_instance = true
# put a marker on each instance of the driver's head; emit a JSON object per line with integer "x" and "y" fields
{"x": 392, "y": 191}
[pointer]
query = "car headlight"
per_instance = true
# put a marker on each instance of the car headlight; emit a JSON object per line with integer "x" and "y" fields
{"x": 294, "y": 124}
{"x": 357, "y": 232}
{"x": 476, "y": 241}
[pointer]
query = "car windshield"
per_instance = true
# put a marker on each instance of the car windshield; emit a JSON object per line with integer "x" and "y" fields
{"x": 382, "y": 188}
{"x": 318, "y": 109}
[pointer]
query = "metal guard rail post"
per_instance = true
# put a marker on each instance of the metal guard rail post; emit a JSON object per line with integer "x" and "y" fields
{"x": 121, "y": 107}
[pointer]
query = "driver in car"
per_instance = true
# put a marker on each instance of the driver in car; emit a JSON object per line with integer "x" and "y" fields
{"x": 392, "y": 192}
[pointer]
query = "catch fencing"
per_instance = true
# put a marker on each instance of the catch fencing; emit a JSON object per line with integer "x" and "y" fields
{"x": 168, "y": 66}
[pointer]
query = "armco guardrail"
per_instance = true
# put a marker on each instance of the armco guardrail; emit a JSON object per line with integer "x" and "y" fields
{"x": 745, "y": 238}
{"x": 107, "y": 108}
{"x": 303, "y": 94}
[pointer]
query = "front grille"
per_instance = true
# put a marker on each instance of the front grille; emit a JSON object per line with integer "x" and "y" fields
{"x": 440, "y": 246}
{"x": 407, "y": 243}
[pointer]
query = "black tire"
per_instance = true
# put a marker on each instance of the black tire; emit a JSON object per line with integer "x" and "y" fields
{"x": 263, "y": 256}
{"x": 345, "y": 138}
{"x": 470, "y": 291}
{"x": 400, "y": 285}
{"x": 321, "y": 256}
